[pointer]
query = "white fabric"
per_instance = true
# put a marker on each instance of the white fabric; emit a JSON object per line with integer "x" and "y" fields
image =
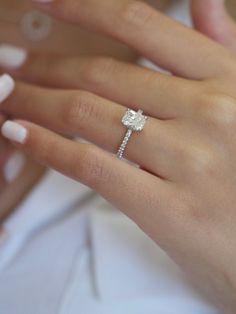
{"x": 88, "y": 258}
{"x": 70, "y": 252}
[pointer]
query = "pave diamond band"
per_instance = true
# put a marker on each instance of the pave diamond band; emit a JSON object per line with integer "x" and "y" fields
{"x": 124, "y": 144}
{"x": 134, "y": 122}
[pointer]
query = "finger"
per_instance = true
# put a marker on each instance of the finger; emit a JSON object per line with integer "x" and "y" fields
{"x": 211, "y": 18}
{"x": 114, "y": 80}
{"x": 79, "y": 113}
{"x": 130, "y": 189}
{"x": 166, "y": 42}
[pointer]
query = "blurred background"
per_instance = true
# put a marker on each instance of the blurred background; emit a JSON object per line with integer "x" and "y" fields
{"x": 22, "y": 25}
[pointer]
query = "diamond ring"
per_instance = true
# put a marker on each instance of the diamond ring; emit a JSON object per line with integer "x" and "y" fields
{"x": 134, "y": 122}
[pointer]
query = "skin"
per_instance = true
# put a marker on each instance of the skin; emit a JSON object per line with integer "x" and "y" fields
{"x": 183, "y": 196}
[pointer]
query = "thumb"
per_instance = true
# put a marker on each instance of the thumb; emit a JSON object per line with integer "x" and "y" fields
{"x": 211, "y": 18}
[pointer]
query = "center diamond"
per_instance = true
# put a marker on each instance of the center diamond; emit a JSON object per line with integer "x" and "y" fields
{"x": 133, "y": 120}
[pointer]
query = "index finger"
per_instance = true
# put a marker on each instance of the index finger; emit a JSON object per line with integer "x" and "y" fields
{"x": 168, "y": 43}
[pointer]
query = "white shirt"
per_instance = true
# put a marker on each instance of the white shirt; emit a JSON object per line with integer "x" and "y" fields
{"x": 70, "y": 252}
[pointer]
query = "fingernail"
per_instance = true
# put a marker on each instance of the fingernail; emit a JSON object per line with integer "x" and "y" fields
{"x": 14, "y": 167}
{"x": 7, "y": 85}
{"x": 14, "y": 132}
{"x": 12, "y": 57}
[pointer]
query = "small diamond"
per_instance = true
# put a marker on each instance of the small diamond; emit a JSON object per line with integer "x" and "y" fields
{"x": 133, "y": 120}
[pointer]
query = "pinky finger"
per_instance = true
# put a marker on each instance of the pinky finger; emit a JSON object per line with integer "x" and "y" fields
{"x": 136, "y": 192}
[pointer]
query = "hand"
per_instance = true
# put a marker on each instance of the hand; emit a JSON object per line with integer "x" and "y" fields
{"x": 183, "y": 195}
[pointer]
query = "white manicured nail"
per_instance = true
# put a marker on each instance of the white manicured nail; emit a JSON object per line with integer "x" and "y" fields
{"x": 7, "y": 85}
{"x": 14, "y": 132}
{"x": 12, "y": 57}
{"x": 14, "y": 167}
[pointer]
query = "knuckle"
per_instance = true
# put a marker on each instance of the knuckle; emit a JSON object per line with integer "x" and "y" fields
{"x": 92, "y": 168}
{"x": 98, "y": 70}
{"x": 80, "y": 110}
{"x": 198, "y": 160}
{"x": 137, "y": 13}
{"x": 218, "y": 110}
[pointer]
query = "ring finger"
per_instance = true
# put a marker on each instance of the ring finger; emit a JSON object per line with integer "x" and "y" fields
{"x": 79, "y": 113}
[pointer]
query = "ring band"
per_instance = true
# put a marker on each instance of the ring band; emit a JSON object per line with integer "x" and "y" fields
{"x": 134, "y": 122}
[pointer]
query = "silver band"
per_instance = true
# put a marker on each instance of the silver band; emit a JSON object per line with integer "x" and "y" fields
{"x": 134, "y": 122}
{"x": 124, "y": 144}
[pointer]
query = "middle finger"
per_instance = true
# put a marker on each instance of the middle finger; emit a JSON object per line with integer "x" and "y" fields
{"x": 161, "y": 95}
{"x": 168, "y": 43}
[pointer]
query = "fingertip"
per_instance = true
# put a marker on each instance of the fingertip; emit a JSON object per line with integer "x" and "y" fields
{"x": 14, "y": 131}
{"x": 7, "y": 85}
{"x": 12, "y": 57}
